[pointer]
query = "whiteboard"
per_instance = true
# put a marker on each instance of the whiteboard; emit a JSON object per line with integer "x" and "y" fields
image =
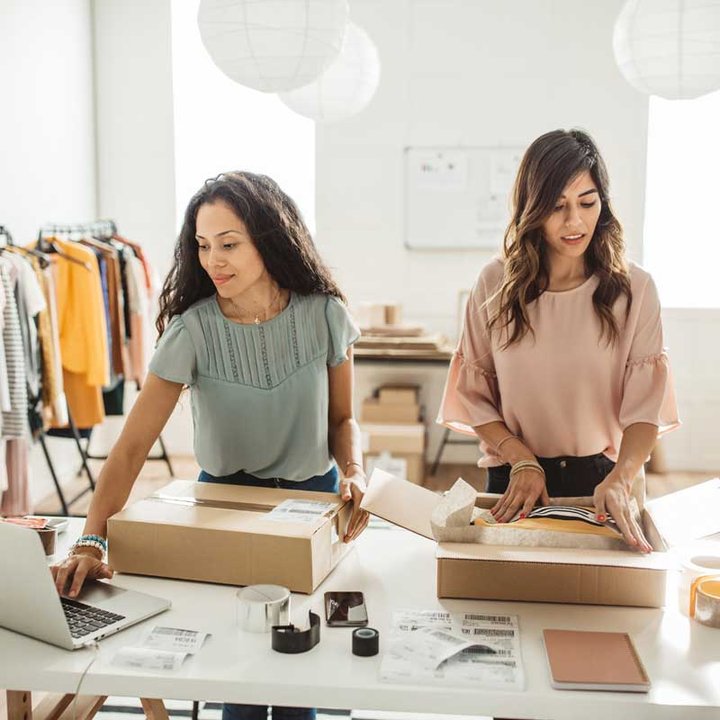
{"x": 458, "y": 197}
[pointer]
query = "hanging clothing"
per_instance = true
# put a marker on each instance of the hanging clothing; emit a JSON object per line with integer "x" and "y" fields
{"x": 141, "y": 339}
{"x": 115, "y": 302}
{"x": 30, "y": 302}
{"x": 16, "y": 499}
{"x": 14, "y": 422}
{"x": 83, "y": 332}
{"x": 54, "y": 407}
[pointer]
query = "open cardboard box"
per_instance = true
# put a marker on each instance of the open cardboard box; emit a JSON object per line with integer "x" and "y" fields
{"x": 221, "y": 533}
{"x": 498, "y": 572}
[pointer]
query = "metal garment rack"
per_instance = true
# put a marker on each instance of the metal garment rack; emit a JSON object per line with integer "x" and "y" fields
{"x": 447, "y": 440}
{"x": 64, "y": 503}
{"x": 103, "y": 229}
{"x": 163, "y": 456}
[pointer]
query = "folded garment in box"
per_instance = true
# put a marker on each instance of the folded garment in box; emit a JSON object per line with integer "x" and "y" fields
{"x": 457, "y": 519}
{"x": 541, "y": 574}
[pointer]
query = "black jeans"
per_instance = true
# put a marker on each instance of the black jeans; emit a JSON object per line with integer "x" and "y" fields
{"x": 564, "y": 476}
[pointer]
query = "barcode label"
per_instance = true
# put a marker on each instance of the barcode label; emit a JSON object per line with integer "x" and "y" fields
{"x": 502, "y": 619}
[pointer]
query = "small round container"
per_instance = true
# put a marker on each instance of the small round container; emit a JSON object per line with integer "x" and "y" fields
{"x": 48, "y": 535}
{"x": 259, "y": 607}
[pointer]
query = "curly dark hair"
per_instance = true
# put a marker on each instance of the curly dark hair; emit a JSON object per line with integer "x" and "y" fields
{"x": 549, "y": 164}
{"x": 276, "y": 228}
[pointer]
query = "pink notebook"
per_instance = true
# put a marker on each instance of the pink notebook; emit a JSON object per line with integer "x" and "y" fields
{"x": 581, "y": 660}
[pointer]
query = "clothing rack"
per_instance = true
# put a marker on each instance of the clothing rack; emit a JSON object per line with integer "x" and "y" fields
{"x": 103, "y": 229}
{"x": 64, "y": 503}
{"x": 7, "y": 238}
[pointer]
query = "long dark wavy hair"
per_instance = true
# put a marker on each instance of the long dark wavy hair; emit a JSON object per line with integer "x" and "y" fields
{"x": 549, "y": 164}
{"x": 276, "y": 228}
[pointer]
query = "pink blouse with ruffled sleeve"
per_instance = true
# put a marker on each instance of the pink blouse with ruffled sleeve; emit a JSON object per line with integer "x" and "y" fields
{"x": 564, "y": 390}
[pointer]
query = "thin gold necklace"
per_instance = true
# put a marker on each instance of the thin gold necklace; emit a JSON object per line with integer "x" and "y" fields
{"x": 257, "y": 320}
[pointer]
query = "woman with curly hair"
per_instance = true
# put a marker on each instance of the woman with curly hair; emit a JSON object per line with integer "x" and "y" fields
{"x": 560, "y": 370}
{"x": 252, "y": 322}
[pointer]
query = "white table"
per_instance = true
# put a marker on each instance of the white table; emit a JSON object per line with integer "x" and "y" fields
{"x": 396, "y": 570}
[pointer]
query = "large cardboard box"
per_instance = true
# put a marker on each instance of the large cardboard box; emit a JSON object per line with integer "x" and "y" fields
{"x": 407, "y": 394}
{"x": 222, "y": 534}
{"x": 406, "y": 441}
{"x": 496, "y": 572}
{"x": 374, "y": 411}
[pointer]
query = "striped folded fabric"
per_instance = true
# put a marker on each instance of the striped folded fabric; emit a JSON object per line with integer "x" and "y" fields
{"x": 558, "y": 518}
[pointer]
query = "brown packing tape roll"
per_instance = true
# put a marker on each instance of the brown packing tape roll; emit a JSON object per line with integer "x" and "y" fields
{"x": 705, "y": 600}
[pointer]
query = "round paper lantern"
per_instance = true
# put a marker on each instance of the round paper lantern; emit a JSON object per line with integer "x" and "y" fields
{"x": 669, "y": 48}
{"x": 273, "y": 45}
{"x": 347, "y": 85}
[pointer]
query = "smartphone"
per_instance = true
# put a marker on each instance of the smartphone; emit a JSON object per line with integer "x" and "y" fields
{"x": 345, "y": 609}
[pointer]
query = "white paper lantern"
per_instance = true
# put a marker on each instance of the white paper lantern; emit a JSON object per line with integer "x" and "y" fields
{"x": 347, "y": 85}
{"x": 669, "y": 48}
{"x": 273, "y": 45}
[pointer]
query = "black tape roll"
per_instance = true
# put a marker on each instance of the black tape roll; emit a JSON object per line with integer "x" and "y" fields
{"x": 365, "y": 642}
{"x": 288, "y": 639}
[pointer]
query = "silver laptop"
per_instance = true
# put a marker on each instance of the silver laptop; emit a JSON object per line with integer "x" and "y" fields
{"x": 30, "y": 604}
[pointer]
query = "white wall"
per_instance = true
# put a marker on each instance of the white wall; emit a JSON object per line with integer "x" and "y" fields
{"x": 47, "y": 138}
{"x": 222, "y": 126}
{"x": 47, "y": 144}
{"x": 693, "y": 339}
{"x": 464, "y": 72}
{"x": 134, "y": 111}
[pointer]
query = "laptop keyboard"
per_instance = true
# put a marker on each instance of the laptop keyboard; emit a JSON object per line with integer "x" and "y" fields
{"x": 85, "y": 619}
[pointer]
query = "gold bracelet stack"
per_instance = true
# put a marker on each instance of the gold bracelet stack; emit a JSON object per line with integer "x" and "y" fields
{"x": 526, "y": 465}
{"x": 503, "y": 441}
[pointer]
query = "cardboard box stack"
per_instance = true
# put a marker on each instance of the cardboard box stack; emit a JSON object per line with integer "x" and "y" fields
{"x": 392, "y": 429}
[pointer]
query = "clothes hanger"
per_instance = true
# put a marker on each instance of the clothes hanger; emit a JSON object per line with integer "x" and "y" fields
{"x": 46, "y": 245}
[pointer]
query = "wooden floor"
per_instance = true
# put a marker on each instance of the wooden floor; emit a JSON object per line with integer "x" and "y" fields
{"x": 155, "y": 474}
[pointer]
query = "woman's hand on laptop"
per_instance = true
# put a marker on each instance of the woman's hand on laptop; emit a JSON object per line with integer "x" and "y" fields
{"x": 72, "y": 572}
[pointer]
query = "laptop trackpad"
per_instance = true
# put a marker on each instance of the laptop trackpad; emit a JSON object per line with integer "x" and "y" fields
{"x": 99, "y": 593}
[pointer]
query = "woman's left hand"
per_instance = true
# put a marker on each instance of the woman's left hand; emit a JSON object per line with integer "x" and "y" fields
{"x": 352, "y": 487}
{"x": 612, "y": 497}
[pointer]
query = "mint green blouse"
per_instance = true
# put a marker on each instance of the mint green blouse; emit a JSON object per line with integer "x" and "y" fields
{"x": 259, "y": 393}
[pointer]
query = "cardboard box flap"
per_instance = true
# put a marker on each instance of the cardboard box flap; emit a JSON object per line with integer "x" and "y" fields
{"x": 228, "y": 507}
{"x": 689, "y": 514}
{"x": 182, "y": 514}
{"x": 246, "y": 495}
{"x": 400, "y": 502}
{"x": 554, "y": 556}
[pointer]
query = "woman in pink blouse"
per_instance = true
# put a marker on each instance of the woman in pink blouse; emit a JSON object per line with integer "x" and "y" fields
{"x": 560, "y": 369}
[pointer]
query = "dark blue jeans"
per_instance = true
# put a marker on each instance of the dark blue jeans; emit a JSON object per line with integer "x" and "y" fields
{"x": 328, "y": 482}
{"x": 564, "y": 476}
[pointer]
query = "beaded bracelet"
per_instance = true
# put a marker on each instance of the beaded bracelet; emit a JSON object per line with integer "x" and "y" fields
{"x": 94, "y": 541}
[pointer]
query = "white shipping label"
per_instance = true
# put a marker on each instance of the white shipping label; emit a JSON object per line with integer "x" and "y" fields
{"x": 147, "y": 659}
{"x": 300, "y": 511}
{"x": 174, "y": 639}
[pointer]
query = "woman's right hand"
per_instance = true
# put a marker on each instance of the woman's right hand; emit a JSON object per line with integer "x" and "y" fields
{"x": 71, "y": 573}
{"x": 522, "y": 494}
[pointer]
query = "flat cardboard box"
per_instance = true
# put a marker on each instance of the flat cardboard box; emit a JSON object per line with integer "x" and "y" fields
{"x": 374, "y": 411}
{"x": 393, "y": 438}
{"x": 496, "y": 572}
{"x": 414, "y": 465}
{"x": 220, "y": 533}
{"x": 398, "y": 394}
